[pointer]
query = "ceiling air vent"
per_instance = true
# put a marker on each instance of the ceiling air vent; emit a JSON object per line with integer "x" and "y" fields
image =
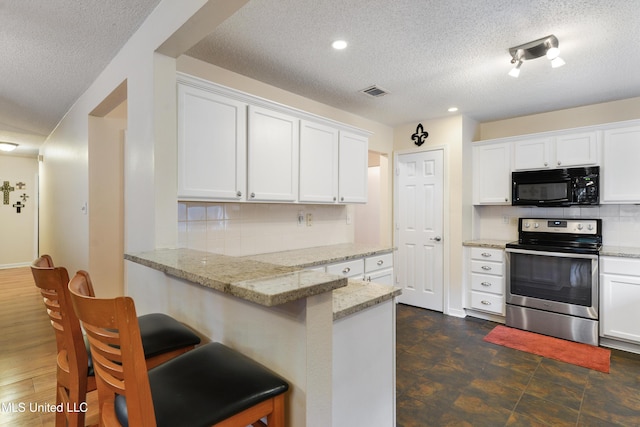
{"x": 374, "y": 91}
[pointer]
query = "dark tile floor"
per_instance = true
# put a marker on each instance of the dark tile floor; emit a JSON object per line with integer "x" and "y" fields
{"x": 448, "y": 376}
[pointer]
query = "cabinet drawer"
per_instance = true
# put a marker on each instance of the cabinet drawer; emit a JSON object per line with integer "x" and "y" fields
{"x": 487, "y": 267}
{"x": 378, "y": 262}
{"x": 487, "y": 283}
{"x": 487, "y": 254}
{"x": 487, "y": 302}
{"x": 618, "y": 265}
{"x": 347, "y": 269}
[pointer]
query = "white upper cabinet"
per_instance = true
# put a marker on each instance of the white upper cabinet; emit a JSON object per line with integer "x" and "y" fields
{"x": 492, "y": 174}
{"x": 273, "y": 155}
{"x": 576, "y": 149}
{"x": 318, "y": 163}
{"x": 211, "y": 145}
{"x": 532, "y": 153}
{"x": 561, "y": 151}
{"x": 620, "y": 172}
{"x": 353, "y": 168}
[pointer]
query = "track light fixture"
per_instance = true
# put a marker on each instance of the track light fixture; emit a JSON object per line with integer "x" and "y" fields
{"x": 546, "y": 46}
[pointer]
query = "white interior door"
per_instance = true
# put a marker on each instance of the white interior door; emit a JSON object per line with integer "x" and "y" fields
{"x": 419, "y": 210}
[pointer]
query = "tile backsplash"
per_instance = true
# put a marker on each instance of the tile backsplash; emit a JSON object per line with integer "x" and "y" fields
{"x": 620, "y": 223}
{"x": 240, "y": 229}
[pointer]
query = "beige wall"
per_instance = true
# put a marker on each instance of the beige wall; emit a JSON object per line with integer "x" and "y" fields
{"x": 596, "y": 114}
{"x": 18, "y": 244}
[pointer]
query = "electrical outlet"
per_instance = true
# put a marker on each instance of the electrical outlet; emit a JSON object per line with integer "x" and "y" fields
{"x": 506, "y": 219}
{"x": 309, "y": 220}
{"x": 300, "y": 218}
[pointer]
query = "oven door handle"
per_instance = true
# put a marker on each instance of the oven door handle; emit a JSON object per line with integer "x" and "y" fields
{"x": 555, "y": 254}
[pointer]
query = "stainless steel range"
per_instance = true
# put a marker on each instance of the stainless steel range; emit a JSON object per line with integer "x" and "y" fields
{"x": 552, "y": 278}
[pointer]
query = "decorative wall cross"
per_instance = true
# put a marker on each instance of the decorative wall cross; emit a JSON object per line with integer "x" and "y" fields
{"x": 24, "y": 197}
{"x": 18, "y": 205}
{"x": 20, "y": 185}
{"x": 6, "y": 189}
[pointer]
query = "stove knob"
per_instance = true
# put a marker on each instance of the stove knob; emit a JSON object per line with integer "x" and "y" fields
{"x": 590, "y": 227}
{"x": 527, "y": 225}
{"x": 579, "y": 226}
{"x": 536, "y": 225}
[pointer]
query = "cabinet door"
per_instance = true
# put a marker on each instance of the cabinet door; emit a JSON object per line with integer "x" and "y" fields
{"x": 577, "y": 149}
{"x": 492, "y": 174}
{"x": 383, "y": 277}
{"x": 318, "y": 163}
{"x": 211, "y": 145}
{"x": 532, "y": 154}
{"x": 620, "y": 299}
{"x": 273, "y": 156}
{"x": 620, "y": 171}
{"x": 353, "y": 168}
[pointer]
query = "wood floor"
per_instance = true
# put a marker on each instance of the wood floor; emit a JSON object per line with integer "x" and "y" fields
{"x": 27, "y": 353}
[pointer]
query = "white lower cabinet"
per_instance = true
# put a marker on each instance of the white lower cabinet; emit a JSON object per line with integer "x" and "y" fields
{"x": 375, "y": 268}
{"x": 620, "y": 298}
{"x": 486, "y": 282}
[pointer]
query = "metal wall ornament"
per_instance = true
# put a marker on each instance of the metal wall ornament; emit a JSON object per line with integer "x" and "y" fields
{"x": 420, "y": 136}
{"x": 6, "y": 189}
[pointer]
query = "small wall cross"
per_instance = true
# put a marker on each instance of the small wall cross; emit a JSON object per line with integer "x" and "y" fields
{"x": 24, "y": 197}
{"x": 6, "y": 189}
{"x": 20, "y": 185}
{"x": 18, "y": 205}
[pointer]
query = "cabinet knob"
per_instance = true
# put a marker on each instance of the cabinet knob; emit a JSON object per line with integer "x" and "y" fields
{"x": 546, "y": 164}
{"x": 253, "y": 195}
{"x": 506, "y": 199}
{"x": 485, "y": 302}
{"x": 239, "y": 194}
{"x": 486, "y": 284}
{"x": 380, "y": 262}
{"x": 346, "y": 270}
{"x": 335, "y": 198}
{"x": 559, "y": 162}
{"x": 342, "y": 199}
{"x": 486, "y": 268}
{"x": 486, "y": 254}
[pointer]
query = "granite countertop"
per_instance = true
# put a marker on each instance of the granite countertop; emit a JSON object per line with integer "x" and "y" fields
{"x": 359, "y": 295}
{"x": 486, "y": 243}
{"x": 260, "y": 282}
{"x": 620, "y": 251}
{"x": 312, "y": 257}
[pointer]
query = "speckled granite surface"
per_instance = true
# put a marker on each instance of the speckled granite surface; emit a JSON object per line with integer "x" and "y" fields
{"x": 259, "y": 282}
{"x": 486, "y": 243}
{"x": 311, "y": 257}
{"x": 358, "y": 295}
{"x": 620, "y": 251}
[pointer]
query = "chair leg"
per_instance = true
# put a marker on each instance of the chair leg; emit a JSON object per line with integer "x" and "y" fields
{"x": 61, "y": 417}
{"x": 276, "y": 418}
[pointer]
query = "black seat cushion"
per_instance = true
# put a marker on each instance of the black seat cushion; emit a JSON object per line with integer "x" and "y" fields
{"x": 161, "y": 333}
{"x": 205, "y": 386}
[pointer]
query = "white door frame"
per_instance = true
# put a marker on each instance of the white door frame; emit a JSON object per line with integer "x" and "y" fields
{"x": 446, "y": 241}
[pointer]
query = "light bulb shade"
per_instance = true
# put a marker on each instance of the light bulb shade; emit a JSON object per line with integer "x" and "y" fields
{"x": 515, "y": 71}
{"x": 553, "y": 53}
{"x": 8, "y": 146}
{"x": 557, "y": 62}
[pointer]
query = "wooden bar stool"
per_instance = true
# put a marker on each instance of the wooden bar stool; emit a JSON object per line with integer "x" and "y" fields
{"x": 163, "y": 339}
{"x": 211, "y": 385}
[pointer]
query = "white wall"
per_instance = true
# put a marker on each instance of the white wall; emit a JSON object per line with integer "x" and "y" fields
{"x": 18, "y": 231}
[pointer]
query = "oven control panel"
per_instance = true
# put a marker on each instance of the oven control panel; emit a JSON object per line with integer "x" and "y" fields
{"x": 547, "y": 225}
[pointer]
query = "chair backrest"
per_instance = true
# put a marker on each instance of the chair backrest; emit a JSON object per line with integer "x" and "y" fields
{"x": 72, "y": 355}
{"x": 112, "y": 328}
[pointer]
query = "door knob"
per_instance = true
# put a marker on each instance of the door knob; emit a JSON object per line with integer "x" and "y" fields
{"x": 437, "y": 238}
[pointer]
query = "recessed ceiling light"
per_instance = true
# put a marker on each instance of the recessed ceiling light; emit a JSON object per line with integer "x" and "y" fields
{"x": 452, "y": 109}
{"x": 339, "y": 44}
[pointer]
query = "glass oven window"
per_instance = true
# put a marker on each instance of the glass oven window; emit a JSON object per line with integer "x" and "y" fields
{"x": 567, "y": 280}
{"x": 543, "y": 191}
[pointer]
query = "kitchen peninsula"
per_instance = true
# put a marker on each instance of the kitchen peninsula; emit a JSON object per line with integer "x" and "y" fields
{"x": 331, "y": 337}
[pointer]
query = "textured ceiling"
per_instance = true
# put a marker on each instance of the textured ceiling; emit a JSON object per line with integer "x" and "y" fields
{"x": 428, "y": 54}
{"x": 51, "y": 51}
{"x": 433, "y": 54}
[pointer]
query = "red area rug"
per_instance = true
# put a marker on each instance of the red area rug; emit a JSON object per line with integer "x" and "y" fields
{"x": 584, "y": 355}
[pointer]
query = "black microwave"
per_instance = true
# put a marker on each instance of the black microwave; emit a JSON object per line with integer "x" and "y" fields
{"x": 556, "y": 187}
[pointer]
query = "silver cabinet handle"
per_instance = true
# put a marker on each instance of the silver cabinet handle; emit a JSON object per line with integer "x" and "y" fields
{"x": 486, "y": 254}
{"x": 346, "y": 270}
{"x": 486, "y": 284}
{"x": 239, "y": 194}
{"x": 380, "y": 262}
{"x": 485, "y": 302}
{"x": 253, "y": 195}
{"x": 486, "y": 268}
